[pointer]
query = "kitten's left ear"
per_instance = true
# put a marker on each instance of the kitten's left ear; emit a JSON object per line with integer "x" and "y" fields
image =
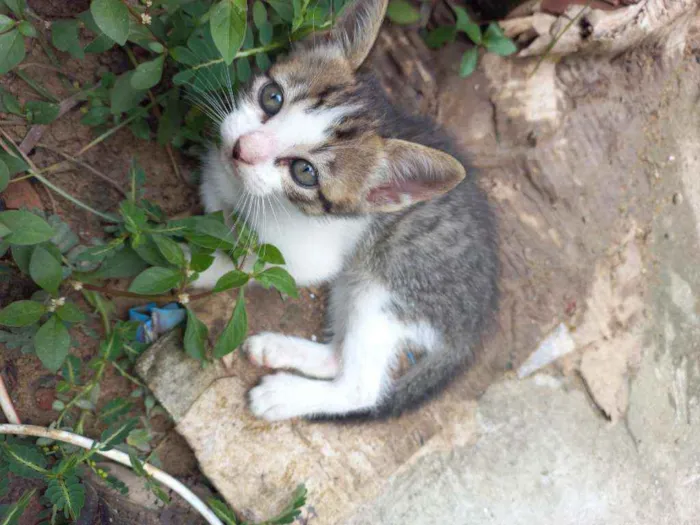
{"x": 357, "y": 28}
{"x": 412, "y": 173}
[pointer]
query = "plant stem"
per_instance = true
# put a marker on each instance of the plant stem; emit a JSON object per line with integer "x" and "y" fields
{"x": 561, "y": 34}
{"x": 116, "y": 128}
{"x": 46, "y": 182}
{"x": 34, "y": 172}
{"x": 118, "y": 457}
{"x": 128, "y": 376}
{"x": 82, "y": 164}
{"x": 123, "y": 293}
{"x": 85, "y": 391}
{"x": 6, "y": 403}
{"x": 35, "y": 85}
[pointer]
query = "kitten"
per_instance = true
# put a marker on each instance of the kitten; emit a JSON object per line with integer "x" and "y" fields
{"x": 372, "y": 201}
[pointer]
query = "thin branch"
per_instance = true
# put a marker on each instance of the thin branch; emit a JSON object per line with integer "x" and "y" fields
{"x": 82, "y": 164}
{"x": 6, "y": 403}
{"x": 124, "y": 293}
{"x": 118, "y": 457}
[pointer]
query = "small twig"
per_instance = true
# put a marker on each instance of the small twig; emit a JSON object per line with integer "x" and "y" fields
{"x": 157, "y": 113}
{"x": 127, "y": 375}
{"x": 82, "y": 164}
{"x": 37, "y": 131}
{"x": 124, "y": 293}
{"x": 54, "y": 209}
{"x": 117, "y": 456}
{"x": 34, "y": 172}
{"x": 116, "y": 128}
{"x": 558, "y": 37}
{"x": 6, "y": 403}
{"x": 41, "y": 90}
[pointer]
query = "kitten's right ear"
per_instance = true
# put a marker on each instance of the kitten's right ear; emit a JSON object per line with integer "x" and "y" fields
{"x": 357, "y": 28}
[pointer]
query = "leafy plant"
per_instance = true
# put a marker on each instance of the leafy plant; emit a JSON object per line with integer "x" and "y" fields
{"x": 491, "y": 39}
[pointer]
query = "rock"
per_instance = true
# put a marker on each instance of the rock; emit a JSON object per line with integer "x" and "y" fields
{"x": 21, "y": 195}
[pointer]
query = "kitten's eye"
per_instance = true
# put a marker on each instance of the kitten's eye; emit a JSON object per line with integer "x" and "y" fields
{"x": 303, "y": 173}
{"x": 271, "y": 98}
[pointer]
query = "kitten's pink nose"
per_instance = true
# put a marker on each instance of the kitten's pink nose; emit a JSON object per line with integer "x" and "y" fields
{"x": 254, "y": 148}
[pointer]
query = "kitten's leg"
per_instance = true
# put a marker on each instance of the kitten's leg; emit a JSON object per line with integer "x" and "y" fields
{"x": 371, "y": 340}
{"x": 282, "y": 351}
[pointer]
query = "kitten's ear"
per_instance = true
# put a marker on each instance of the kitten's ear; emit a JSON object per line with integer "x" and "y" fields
{"x": 412, "y": 173}
{"x": 357, "y": 28}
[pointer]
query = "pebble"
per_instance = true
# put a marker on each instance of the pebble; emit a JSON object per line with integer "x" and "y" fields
{"x": 677, "y": 198}
{"x": 314, "y": 338}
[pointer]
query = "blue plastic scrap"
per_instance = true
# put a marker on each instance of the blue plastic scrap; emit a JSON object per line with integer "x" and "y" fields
{"x": 156, "y": 321}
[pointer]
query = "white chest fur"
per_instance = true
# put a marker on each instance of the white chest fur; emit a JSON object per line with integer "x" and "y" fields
{"x": 314, "y": 248}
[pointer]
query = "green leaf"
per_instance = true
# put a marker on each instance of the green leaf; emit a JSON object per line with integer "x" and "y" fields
{"x": 45, "y": 270}
{"x": 148, "y": 251}
{"x": 67, "y": 494}
{"x": 440, "y": 36}
{"x": 112, "y": 17}
{"x": 4, "y": 181}
{"x": 71, "y": 370}
{"x": 22, "y": 255}
{"x": 263, "y": 61}
{"x": 496, "y": 42}
{"x": 469, "y": 61}
{"x": 170, "y": 250}
{"x": 292, "y": 510}
{"x": 12, "y": 105}
{"x": 228, "y": 27}
{"x": 27, "y": 29}
{"x": 39, "y": 112}
{"x": 5, "y": 23}
{"x": 222, "y": 511}
{"x": 200, "y": 261}
{"x": 270, "y": 254}
{"x": 137, "y": 465}
{"x": 155, "y": 281}
{"x": 280, "y": 279}
{"x": 70, "y": 313}
{"x": 112, "y": 348}
{"x": 259, "y": 14}
{"x": 27, "y": 228}
{"x": 11, "y": 50}
{"x": 171, "y": 120}
{"x": 26, "y": 461}
{"x": 402, "y": 12}
{"x": 283, "y": 8}
{"x": 232, "y": 279}
{"x": 265, "y": 34}
{"x": 116, "y": 434}
{"x": 195, "y": 337}
{"x": 21, "y": 313}
{"x": 466, "y": 24}
{"x": 243, "y": 71}
{"x": 14, "y": 512}
{"x": 52, "y": 343}
{"x": 114, "y": 410}
{"x": 123, "y": 96}
{"x": 235, "y": 331}
{"x": 125, "y": 263}
{"x": 135, "y": 219}
{"x": 16, "y": 6}
{"x": 64, "y": 37}
{"x": 148, "y": 74}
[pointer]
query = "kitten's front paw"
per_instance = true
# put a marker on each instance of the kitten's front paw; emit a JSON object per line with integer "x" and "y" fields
{"x": 279, "y": 396}
{"x": 265, "y": 349}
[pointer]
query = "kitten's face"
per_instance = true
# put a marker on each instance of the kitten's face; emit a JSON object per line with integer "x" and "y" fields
{"x": 299, "y": 131}
{"x": 304, "y": 131}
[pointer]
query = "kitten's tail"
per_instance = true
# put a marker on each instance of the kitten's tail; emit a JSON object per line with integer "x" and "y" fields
{"x": 424, "y": 380}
